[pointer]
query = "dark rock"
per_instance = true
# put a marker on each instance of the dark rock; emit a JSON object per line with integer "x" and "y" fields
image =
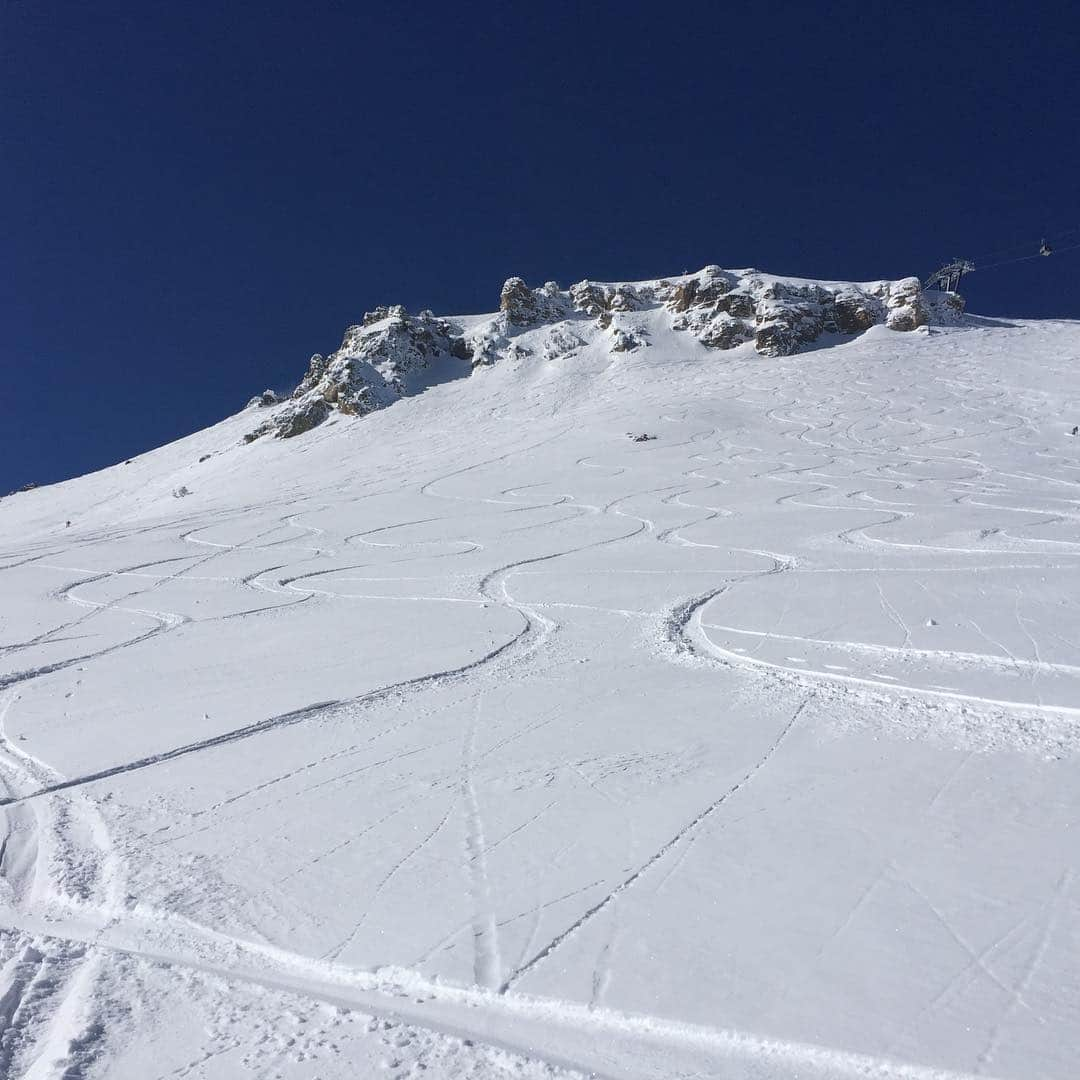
{"x": 783, "y": 328}
{"x": 738, "y": 304}
{"x": 264, "y": 400}
{"x": 706, "y": 288}
{"x": 517, "y": 301}
{"x": 592, "y": 298}
{"x": 460, "y": 349}
{"x": 726, "y": 333}
{"x": 524, "y": 307}
{"x": 317, "y": 366}
{"x": 303, "y": 419}
{"x": 855, "y": 312}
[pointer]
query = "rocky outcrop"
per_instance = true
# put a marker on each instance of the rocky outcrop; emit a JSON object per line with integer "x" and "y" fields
{"x": 725, "y": 332}
{"x": 596, "y": 300}
{"x": 904, "y": 301}
{"x": 788, "y": 317}
{"x": 524, "y": 307}
{"x": 708, "y": 287}
{"x": 391, "y": 353}
{"x": 263, "y": 400}
{"x": 724, "y": 309}
{"x": 855, "y": 311}
{"x": 520, "y": 309}
{"x": 387, "y": 356}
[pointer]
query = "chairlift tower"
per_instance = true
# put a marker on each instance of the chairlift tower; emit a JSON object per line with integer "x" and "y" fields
{"x": 948, "y": 277}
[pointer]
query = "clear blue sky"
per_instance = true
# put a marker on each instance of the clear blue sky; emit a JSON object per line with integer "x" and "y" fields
{"x": 198, "y": 196}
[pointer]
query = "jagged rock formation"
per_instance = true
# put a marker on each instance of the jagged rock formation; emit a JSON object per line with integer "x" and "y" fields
{"x": 524, "y": 307}
{"x": 593, "y": 298}
{"x": 725, "y": 308}
{"x": 391, "y": 353}
{"x": 388, "y": 355}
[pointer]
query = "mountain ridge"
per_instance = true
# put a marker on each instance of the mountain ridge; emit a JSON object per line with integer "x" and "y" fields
{"x": 391, "y": 354}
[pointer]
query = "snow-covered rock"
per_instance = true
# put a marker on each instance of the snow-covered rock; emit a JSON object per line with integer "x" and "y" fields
{"x": 263, "y": 400}
{"x": 388, "y": 355}
{"x": 391, "y": 354}
{"x": 593, "y": 298}
{"x": 906, "y": 309}
{"x": 724, "y": 308}
{"x": 524, "y": 307}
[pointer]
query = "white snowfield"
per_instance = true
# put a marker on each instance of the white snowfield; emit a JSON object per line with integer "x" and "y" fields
{"x": 474, "y": 739}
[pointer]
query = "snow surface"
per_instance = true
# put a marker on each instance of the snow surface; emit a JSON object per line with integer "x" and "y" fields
{"x": 474, "y": 739}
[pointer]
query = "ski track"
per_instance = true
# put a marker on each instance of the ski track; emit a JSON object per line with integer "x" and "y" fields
{"x": 487, "y": 966}
{"x": 684, "y": 833}
{"x": 403, "y": 996}
{"x": 46, "y": 987}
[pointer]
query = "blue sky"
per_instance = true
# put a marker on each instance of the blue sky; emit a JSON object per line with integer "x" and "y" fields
{"x": 197, "y": 196}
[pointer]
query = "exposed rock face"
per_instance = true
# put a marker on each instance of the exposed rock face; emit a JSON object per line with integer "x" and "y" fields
{"x": 263, "y": 400}
{"x": 725, "y": 332}
{"x": 706, "y": 288}
{"x": 594, "y": 299}
{"x": 904, "y": 299}
{"x": 855, "y": 311}
{"x": 524, "y": 307}
{"x": 518, "y": 302}
{"x": 390, "y": 354}
{"x": 788, "y": 317}
{"x": 725, "y": 308}
{"x": 297, "y": 419}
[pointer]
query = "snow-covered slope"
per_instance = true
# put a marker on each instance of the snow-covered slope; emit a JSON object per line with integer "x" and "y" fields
{"x": 473, "y": 738}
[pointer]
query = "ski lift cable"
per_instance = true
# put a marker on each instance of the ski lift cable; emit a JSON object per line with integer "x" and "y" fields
{"x": 1022, "y": 258}
{"x": 1057, "y": 235}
